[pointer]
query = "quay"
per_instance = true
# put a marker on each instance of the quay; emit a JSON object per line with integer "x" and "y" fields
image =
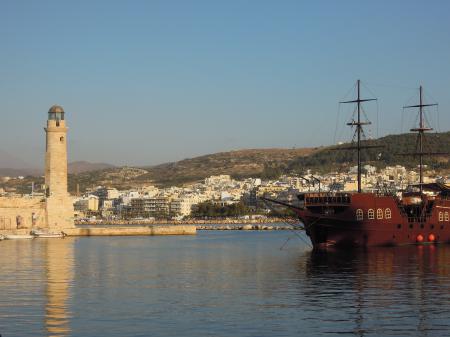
{"x": 102, "y": 230}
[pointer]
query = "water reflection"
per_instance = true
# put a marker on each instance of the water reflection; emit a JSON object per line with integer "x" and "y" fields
{"x": 59, "y": 272}
{"x": 35, "y": 278}
{"x": 385, "y": 291}
{"x": 225, "y": 284}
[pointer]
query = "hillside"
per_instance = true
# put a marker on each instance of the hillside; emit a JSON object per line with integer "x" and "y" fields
{"x": 263, "y": 163}
{"x": 77, "y": 167}
{"x": 271, "y": 163}
{"x": 241, "y": 163}
{"x": 390, "y": 152}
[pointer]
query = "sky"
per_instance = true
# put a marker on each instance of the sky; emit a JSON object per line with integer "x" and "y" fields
{"x": 147, "y": 82}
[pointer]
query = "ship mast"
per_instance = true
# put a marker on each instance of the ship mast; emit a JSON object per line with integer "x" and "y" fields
{"x": 359, "y": 127}
{"x": 421, "y": 133}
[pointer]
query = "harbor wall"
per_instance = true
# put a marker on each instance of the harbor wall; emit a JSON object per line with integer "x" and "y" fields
{"x": 132, "y": 230}
{"x": 19, "y": 213}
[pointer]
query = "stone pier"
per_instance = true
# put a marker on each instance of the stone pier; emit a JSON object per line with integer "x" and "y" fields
{"x": 131, "y": 230}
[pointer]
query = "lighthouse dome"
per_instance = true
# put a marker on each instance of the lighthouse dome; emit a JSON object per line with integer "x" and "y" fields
{"x": 56, "y": 109}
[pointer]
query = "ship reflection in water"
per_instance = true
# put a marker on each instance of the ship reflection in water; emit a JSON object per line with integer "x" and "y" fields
{"x": 229, "y": 283}
{"x": 387, "y": 291}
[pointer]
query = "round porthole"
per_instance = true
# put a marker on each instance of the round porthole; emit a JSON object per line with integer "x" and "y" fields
{"x": 399, "y": 226}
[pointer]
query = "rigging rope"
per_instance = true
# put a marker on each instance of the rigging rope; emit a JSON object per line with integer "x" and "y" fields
{"x": 286, "y": 220}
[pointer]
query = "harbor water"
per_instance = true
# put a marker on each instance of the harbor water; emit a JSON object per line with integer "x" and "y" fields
{"x": 220, "y": 283}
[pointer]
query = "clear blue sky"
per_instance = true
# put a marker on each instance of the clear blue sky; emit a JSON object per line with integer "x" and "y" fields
{"x": 145, "y": 82}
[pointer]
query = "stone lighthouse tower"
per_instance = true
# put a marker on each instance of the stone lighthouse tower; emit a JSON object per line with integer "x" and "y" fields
{"x": 59, "y": 206}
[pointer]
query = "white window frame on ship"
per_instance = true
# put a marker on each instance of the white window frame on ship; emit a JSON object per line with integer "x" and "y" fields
{"x": 387, "y": 213}
{"x": 359, "y": 214}
{"x": 441, "y": 216}
{"x": 446, "y": 216}
{"x": 379, "y": 213}
{"x": 370, "y": 214}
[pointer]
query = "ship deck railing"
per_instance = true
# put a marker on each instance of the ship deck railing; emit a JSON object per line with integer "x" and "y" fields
{"x": 318, "y": 199}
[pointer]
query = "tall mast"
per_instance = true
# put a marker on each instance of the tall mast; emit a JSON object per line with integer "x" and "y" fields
{"x": 359, "y": 136}
{"x": 421, "y": 133}
{"x": 359, "y": 128}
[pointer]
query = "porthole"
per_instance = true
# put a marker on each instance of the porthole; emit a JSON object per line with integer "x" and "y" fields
{"x": 432, "y": 226}
{"x": 442, "y": 226}
{"x": 411, "y": 226}
{"x": 399, "y": 226}
{"x": 421, "y": 225}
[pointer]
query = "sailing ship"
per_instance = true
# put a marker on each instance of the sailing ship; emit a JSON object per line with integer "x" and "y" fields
{"x": 417, "y": 215}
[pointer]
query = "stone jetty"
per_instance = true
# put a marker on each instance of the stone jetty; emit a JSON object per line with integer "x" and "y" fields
{"x": 103, "y": 230}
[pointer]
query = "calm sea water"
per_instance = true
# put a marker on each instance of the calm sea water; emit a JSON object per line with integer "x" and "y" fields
{"x": 220, "y": 284}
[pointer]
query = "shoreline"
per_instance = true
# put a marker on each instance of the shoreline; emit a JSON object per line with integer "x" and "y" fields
{"x": 207, "y": 222}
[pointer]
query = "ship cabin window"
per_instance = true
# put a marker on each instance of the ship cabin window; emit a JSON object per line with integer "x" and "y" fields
{"x": 387, "y": 213}
{"x": 371, "y": 214}
{"x": 441, "y": 216}
{"x": 379, "y": 213}
{"x": 446, "y": 216}
{"x": 359, "y": 214}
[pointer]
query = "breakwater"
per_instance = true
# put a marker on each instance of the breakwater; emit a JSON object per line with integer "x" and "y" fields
{"x": 245, "y": 227}
{"x": 100, "y": 230}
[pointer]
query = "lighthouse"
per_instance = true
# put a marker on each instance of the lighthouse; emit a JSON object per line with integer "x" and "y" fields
{"x": 59, "y": 206}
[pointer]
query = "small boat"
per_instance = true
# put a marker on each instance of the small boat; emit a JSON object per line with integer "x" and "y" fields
{"x": 42, "y": 234}
{"x": 18, "y": 236}
{"x": 2, "y": 237}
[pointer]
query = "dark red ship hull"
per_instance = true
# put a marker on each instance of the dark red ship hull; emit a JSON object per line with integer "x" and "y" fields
{"x": 368, "y": 219}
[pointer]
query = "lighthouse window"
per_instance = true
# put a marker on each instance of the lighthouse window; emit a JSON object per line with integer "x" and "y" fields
{"x": 441, "y": 216}
{"x": 379, "y": 213}
{"x": 61, "y": 139}
{"x": 359, "y": 214}
{"x": 371, "y": 214}
{"x": 446, "y": 216}
{"x": 387, "y": 213}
